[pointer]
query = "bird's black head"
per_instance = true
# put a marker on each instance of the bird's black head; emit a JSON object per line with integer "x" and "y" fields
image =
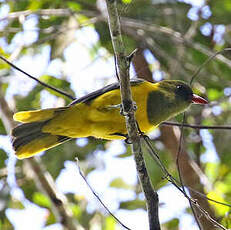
{"x": 184, "y": 91}
{"x": 170, "y": 98}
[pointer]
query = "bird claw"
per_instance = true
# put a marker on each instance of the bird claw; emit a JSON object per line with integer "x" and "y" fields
{"x": 133, "y": 108}
{"x": 143, "y": 135}
{"x": 128, "y": 141}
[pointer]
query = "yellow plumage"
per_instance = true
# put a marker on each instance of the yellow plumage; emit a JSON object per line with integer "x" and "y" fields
{"x": 98, "y": 115}
{"x": 101, "y": 118}
{"x": 32, "y": 116}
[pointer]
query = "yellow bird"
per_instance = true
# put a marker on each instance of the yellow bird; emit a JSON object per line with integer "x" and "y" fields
{"x": 98, "y": 114}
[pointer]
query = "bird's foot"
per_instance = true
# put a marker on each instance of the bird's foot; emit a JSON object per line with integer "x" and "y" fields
{"x": 133, "y": 108}
{"x": 128, "y": 140}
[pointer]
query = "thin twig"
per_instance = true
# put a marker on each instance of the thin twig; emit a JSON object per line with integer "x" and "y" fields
{"x": 126, "y": 23}
{"x": 175, "y": 183}
{"x": 40, "y": 82}
{"x": 179, "y": 152}
{"x": 206, "y": 62}
{"x": 42, "y": 12}
{"x": 207, "y": 198}
{"x": 181, "y": 134}
{"x": 222, "y": 127}
{"x": 97, "y": 197}
{"x": 175, "y": 35}
{"x": 131, "y": 55}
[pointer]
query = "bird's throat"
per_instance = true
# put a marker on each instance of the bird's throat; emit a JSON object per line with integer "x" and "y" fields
{"x": 163, "y": 106}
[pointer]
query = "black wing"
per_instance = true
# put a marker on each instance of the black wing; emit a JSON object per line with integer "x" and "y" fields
{"x": 91, "y": 96}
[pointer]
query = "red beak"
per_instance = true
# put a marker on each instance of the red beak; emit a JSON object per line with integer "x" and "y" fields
{"x": 198, "y": 100}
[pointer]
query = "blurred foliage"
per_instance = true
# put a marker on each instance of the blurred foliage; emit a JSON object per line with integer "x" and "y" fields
{"x": 172, "y": 224}
{"x": 133, "y": 204}
{"x": 175, "y": 59}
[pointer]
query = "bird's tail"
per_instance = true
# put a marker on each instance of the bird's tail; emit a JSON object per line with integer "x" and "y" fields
{"x": 28, "y": 138}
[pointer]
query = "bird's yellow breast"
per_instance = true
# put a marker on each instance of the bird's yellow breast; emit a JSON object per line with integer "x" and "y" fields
{"x": 104, "y": 112}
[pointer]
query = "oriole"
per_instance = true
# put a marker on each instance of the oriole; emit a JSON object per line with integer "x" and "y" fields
{"x": 98, "y": 114}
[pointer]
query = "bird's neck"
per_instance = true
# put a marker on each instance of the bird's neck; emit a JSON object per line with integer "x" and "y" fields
{"x": 162, "y": 106}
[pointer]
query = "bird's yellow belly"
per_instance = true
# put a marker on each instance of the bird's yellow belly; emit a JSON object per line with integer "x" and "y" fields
{"x": 107, "y": 121}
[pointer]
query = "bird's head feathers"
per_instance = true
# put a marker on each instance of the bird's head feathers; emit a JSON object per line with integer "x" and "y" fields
{"x": 171, "y": 98}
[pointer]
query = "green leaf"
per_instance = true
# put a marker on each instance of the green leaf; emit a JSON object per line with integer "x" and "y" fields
{"x": 74, "y": 6}
{"x": 109, "y": 223}
{"x": 226, "y": 221}
{"x": 35, "y": 5}
{"x": 172, "y": 224}
{"x": 2, "y": 128}
{"x": 76, "y": 211}
{"x": 133, "y": 204}
{"x": 220, "y": 11}
{"x": 220, "y": 209}
{"x": 126, "y": 1}
{"x": 41, "y": 200}
{"x": 57, "y": 83}
{"x": 3, "y": 157}
{"x": 31, "y": 101}
{"x": 51, "y": 218}
{"x": 16, "y": 204}
{"x": 211, "y": 170}
{"x": 214, "y": 94}
{"x": 119, "y": 183}
{"x": 5, "y": 224}
{"x": 3, "y": 64}
{"x": 29, "y": 188}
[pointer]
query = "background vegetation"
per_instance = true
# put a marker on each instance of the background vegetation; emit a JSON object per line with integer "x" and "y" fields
{"x": 174, "y": 38}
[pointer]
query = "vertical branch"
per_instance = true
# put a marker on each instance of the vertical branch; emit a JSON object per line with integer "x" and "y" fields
{"x": 128, "y": 109}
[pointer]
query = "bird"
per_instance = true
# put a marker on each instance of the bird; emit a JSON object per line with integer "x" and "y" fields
{"x": 98, "y": 114}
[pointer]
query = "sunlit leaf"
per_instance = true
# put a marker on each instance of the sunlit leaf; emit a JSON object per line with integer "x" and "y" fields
{"x": 109, "y": 223}
{"x": 76, "y": 210}
{"x": 211, "y": 170}
{"x": 220, "y": 209}
{"x": 41, "y": 199}
{"x": 57, "y": 83}
{"x": 214, "y": 94}
{"x": 119, "y": 183}
{"x": 126, "y": 1}
{"x": 132, "y": 205}
{"x": 172, "y": 224}
{"x": 74, "y": 5}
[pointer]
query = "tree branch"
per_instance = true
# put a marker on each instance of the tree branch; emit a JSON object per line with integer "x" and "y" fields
{"x": 170, "y": 138}
{"x": 177, "y": 36}
{"x": 37, "y": 80}
{"x": 192, "y": 126}
{"x": 128, "y": 110}
{"x": 125, "y": 23}
{"x": 97, "y": 197}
